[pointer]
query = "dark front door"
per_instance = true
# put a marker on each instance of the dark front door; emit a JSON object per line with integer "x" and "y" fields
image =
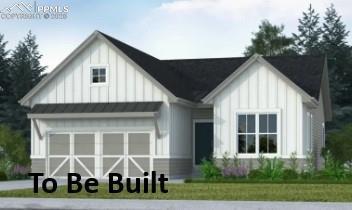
{"x": 203, "y": 141}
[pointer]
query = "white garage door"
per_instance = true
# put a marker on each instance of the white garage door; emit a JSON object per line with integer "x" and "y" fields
{"x": 127, "y": 153}
{"x": 71, "y": 153}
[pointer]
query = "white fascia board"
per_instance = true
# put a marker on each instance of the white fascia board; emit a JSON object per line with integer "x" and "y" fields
{"x": 93, "y": 115}
{"x": 57, "y": 69}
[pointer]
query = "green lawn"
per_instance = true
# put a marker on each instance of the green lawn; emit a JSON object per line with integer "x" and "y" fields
{"x": 226, "y": 191}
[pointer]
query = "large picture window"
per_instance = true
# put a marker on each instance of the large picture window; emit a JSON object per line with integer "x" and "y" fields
{"x": 257, "y": 133}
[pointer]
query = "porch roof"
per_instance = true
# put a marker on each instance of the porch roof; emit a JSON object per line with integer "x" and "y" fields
{"x": 82, "y": 110}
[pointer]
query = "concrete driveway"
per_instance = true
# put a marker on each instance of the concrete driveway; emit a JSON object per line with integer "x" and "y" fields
{"x": 116, "y": 204}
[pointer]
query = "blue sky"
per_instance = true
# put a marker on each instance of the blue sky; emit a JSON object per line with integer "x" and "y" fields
{"x": 165, "y": 29}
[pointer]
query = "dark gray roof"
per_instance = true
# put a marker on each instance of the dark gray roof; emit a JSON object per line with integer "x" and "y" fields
{"x": 96, "y": 107}
{"x": 305, "y": 71}
{"x": 193, "y": 79}
{"x": 176, "y": 82}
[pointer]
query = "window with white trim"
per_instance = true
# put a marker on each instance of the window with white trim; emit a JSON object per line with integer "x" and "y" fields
{"x": 246, "y": 133}
{"x": 98, "y": 75}
{"x": 257, "y": 133}
{"x": 267, "y": 133}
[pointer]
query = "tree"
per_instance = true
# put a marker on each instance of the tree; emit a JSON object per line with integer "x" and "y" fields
{"x": 308, "y": 38}
{"x": 26, "y": 69}
{"x": 270, "y": 41}
{"x": 339, "y": 59}
{"x": 5, "y": 82}
{"x": 25, "y": 73}
{"x": 339, "y": 56}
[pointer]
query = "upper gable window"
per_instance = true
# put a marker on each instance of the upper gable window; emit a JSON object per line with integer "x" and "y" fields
{"x": 99, "y": 75}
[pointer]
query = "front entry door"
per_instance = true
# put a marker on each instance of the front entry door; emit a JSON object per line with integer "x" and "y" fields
{"x": 203, "y": 134}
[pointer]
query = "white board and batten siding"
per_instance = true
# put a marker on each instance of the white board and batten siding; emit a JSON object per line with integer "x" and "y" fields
{"x": 125, "y": 83}
{"x": 180, "y": 131}
{"x": 259, "y": 88}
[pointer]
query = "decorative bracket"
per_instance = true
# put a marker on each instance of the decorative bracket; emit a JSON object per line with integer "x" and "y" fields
{"x": 35, "y": 123}
{"x": 157, "y": 130}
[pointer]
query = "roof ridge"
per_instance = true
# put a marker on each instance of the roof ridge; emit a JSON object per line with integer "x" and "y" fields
{"x": 195, "y": 59}
{"x": 130, "y": 46}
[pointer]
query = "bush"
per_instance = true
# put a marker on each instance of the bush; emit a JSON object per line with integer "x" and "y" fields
{"x": 6, "y": 166}
{"x": 255, "y": 174}
{"x": 339, "y": 143}
{"x": 289, "y": 174}
{"x": 309, "y": 167}
{"x": 261, "y": 161}
{"x": 273, "y": 169}
{"x": 333, "y": 169}
{"x": 13, "y": 146}
{"x": 209, "y": 170}
{"x": 225, "y": 160}
{"x": 233, "y": 171}
{"x": 321, "y": 175}
{"x": 293, "y": 163}
{"x": 268, "y": 169}
{"x": 3, "y": 176}
{"x": 20, "y": 172}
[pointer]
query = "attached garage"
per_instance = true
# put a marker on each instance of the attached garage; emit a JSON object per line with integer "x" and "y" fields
{"x": 125, "y": 153}
{"x": 98, "y": 152}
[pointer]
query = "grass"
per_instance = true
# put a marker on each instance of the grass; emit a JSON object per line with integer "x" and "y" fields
{"x": 215, "y": 191}
{"x": 268, "y": 181}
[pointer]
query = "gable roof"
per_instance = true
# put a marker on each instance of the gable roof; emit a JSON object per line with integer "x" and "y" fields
{"x": 304, "y": 71}
{"x": 193, "y": 79}
{"x": 176, "y": 82}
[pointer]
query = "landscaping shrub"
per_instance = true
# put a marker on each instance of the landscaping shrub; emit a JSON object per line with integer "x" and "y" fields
{"x": 233, "y": 171}
{"x": 333, "y": 169}
{"x": 261, "y": 161}
{"x": 309, "y": 168}
{"x": 236, "y": 161}
{"x": 321, "y": 175}
{"x": 6, "y": 166}
{"x": 293, "y": 163}
{"x": 339, "y": 143}
{"x": 289, "y": 174}
{"x": 273, "y": 169}
{"x": 13, "y": 146}
{"x": 225, "y": 160}
{"x": 268, "y": 169}
{"x": 209, "y": 170}
{"x": 19, "y": 172}
{"x": 3, "y": 176}
{"x": 255, "y": 174}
